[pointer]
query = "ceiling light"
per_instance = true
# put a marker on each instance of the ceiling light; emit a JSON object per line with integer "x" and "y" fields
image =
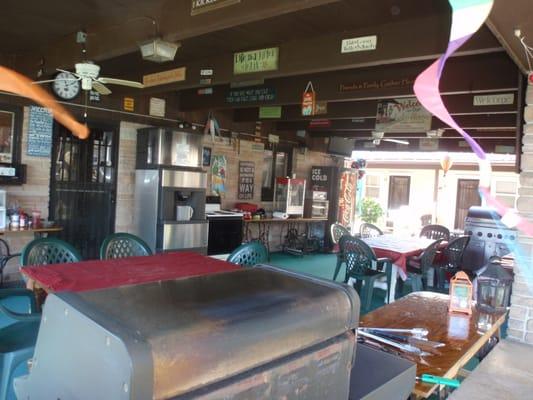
{"x": 158, "y": 50}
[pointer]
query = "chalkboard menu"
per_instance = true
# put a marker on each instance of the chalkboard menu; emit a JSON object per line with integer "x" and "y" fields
{"x": 40, "y": 132}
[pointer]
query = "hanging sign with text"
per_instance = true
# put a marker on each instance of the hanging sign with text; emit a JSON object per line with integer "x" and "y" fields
{"x": 256, "y": 61}
{"x": 251, "y": 95}
{"x": 202, "y": 6}
{"x": 308, "y": 100}
{"x": 246, "y": 180}
{"x": 364, "y": 43}
{"x": 40, "y": 132}
{"x": 402, "y": 115}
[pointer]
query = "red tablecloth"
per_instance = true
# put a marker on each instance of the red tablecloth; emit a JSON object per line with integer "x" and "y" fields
{"x": 100, "y": 274}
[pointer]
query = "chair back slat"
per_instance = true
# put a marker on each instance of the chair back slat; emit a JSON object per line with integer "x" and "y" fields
{"x": 337, "y": 231}
{"x": 367, "y": 230}
{"x": 121, "y": 245}
{"x": 249, "y": 254}
{"x": 49, "y": 251}
{"x": 359, "y": 257}
{"x": 435, "y": 232}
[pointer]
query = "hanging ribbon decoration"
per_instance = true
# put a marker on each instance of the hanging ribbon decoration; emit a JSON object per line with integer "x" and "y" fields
{"x": 467, "y": 17}
{"x": 13, "y": 82}
{"x": 211, "y": 126}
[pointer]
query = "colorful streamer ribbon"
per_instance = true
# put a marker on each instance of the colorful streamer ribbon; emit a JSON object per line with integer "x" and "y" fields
{"x": 467, "y": 17}
{"x": 13, "y": 82}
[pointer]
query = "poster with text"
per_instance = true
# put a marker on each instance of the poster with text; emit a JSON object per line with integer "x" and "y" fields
{"x": 402, "y": 116}
{"x": 246, "y": 180}
{"x": 218, "y": 175}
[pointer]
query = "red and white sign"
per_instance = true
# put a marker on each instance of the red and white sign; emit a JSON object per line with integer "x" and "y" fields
{"x": 308, "y": 100}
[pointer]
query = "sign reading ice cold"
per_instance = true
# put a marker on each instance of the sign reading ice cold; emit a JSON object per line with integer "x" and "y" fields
{"x": 40, "y": 132}
{"x": 246, "y": 180}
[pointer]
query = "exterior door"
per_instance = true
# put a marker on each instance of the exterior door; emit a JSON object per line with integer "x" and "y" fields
{"x": 467, "y": 196}
{"x": 83, "y": 187}
{"x": 399, "y": 188}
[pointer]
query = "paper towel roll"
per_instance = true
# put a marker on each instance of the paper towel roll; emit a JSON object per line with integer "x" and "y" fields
{"x": 280, "y": 215}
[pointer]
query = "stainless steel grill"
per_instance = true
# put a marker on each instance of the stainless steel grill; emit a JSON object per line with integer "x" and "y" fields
{"x": 488, "y": 237}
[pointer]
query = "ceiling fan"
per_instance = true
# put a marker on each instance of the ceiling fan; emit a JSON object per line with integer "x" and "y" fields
{"x": 377, "y": 137}
{"x": 88, "y": 74}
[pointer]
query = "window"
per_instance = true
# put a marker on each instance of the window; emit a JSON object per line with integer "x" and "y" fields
{"x": 10, "y": 132}
{"x": 372, "y": 186}
{"x": 506, "y": 192}
{"x": 399, "y": 187}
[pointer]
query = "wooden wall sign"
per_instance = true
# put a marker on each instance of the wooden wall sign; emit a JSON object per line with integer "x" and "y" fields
{"x": 256, "y": 61}
{"x": 363, "y": 43}
{"x": 246, "y": 180}
{"x": 129, "y": 104}
{"x": 165, "y": 77}
{"x": 40, "y": 132}
{"x": 202, "y": 6}
{"x": 402, "y": 115}
{"x": 251, "y": 95}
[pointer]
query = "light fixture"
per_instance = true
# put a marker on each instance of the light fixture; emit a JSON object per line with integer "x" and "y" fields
{"x": 446, "y": 163}
{"x": 159, "y": 50}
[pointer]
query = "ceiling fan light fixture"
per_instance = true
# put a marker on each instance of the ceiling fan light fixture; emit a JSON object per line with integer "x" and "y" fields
{"x": 159, "y": 50}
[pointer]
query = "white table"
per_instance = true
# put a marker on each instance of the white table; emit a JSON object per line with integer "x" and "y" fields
{"x": 397, "y": 248}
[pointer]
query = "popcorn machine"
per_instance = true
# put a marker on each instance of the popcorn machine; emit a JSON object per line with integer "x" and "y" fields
{"x": 289, "y": 196}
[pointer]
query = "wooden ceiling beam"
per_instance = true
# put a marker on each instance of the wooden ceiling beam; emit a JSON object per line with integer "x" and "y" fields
{"x": 174, "y": 21}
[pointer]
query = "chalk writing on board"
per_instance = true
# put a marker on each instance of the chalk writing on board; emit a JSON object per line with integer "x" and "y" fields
{"x": 40, "y": 132}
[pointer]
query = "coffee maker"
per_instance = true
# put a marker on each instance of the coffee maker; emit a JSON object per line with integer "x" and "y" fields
{"x": 170, "y": 191}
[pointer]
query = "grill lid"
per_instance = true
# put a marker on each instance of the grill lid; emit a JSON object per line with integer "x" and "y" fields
{"x": 483, "y": 213}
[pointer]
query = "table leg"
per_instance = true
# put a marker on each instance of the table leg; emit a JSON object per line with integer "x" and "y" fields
{"x": 393, "y": 281}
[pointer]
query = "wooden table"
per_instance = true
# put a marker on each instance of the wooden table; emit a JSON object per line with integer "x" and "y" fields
{"x": 463, "y": 336}
{"x": 101, "y": 274}
{"x": 397, "y": 249}
{"x": 263, "y": 227}
{"x": 37, "y": 232}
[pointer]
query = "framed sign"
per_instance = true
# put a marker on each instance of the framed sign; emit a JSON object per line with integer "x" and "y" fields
{"x": 157, "y": 107}
{"x": 262, "y": 60}
{"x": 260, "y": 94}
{"x": 246, "y": 180}
{"x": 10, "y": 132}
{"x": 267, "y": 112}
{"x": 202, "y": 6}
{"x": 40, "y": 130}
{"x": 363, "y": 43}
{"x": 402, "y": 115}
{"x": 206, "y": 156}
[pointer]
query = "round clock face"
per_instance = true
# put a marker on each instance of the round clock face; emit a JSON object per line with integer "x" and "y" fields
{"x": 66, "y": 86}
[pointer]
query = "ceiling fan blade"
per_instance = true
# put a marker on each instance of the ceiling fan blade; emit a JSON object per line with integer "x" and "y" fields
{"x": 101, "y": 88}
{"x": 405, "y": 142}
{"x": 54, "y": 80}
{"x": 122, "y": 82}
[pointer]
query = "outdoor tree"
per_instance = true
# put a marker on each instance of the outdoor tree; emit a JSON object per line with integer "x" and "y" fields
{"x": 371, "y": 211}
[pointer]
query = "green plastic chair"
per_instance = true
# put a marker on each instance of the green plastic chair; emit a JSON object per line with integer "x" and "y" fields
{"x": 363, "y": 266}
{"x": 249, "y": 254}
{"x": 337, "y": 231}
{"x": 121, "y": 245}
{"x": 418, "y": 266}
{"x": 367, "y": 230}
{"x": 17, "y": 338}
{"x": 46, "y": 251}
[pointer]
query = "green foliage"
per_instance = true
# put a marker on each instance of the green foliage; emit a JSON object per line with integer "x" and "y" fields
{"x": 370, "y": 210}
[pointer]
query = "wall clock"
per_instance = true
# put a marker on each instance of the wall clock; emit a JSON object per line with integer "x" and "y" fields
{"x": 66, "y": 86}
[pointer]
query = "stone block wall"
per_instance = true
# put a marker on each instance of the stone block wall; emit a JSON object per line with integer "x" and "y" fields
{"x": 521, "y": 314}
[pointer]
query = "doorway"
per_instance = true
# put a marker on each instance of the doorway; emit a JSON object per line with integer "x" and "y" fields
{"x": 399, "y": 188}
{"x": 83, "y": 186}
{"x": 467, "y": 196}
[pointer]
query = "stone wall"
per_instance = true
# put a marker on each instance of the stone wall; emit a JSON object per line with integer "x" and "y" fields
{"x": 521, "y": 314}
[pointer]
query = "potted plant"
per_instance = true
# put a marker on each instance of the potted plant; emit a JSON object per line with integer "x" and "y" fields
{"x": 371, "y": 211}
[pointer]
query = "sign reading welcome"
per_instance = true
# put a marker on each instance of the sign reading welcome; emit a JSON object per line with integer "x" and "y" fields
{"x": 202, "y": 6}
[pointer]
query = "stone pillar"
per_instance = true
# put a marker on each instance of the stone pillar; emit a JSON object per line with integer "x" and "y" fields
{"x": 521, "y": 314}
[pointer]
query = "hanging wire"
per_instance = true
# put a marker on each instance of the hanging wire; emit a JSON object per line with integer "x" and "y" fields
{"x": 528, "y": 50}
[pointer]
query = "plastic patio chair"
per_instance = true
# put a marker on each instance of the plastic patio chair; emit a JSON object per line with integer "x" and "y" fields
{"x": 337, "y": 231}
{"x": 120, "y": 245}
{"x": 49, "y": 251}
{"x": 418, "y": 266}
{"x": 367, "y": 230}
{"x": 17, "y": 339}
{"x": 5, "y": 256}
{"x": 453, "y": 257}
{"x": 435, "y": 232}
{"x": 249, "y": 254}
{"x": 363, "y": 266}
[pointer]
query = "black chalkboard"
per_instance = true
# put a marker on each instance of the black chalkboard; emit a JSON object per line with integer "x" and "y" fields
{"x": 40, "y": 132}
